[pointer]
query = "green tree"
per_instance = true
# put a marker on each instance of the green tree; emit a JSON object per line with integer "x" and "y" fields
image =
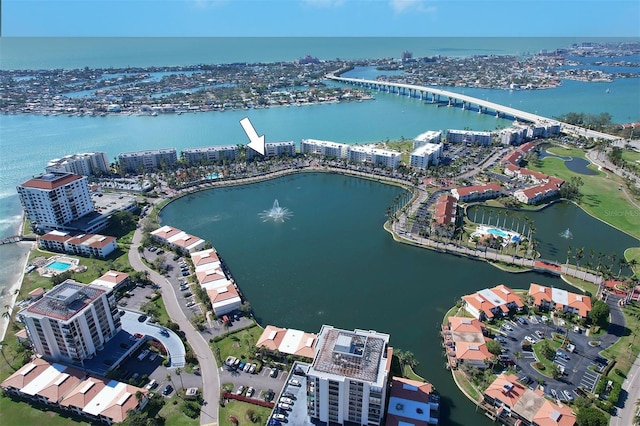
{"x": 599, "y": 314}
{"x": 494, "y": 347}
{"x": 591, "y": 416}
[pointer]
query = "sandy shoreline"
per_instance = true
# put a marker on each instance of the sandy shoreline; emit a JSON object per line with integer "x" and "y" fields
{"x": 10, "y": 294}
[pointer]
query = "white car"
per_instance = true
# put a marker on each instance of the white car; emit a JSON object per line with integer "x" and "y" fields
{"x": 529, "y": 339}
{"x": 294, "y": 382}
{"x": 284, "y": 406}
{"x": 250, "y": 391}
{"x": 279, "y": 416}
{"x": 286, "y": 400}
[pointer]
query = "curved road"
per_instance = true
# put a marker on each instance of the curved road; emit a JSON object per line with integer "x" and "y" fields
{"x": 208, "y": 366}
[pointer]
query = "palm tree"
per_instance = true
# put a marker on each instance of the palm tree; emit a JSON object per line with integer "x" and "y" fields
{"x": 579, "y": 255}
{"x": 569, "y": 249}
{"x": 179, "y": 373}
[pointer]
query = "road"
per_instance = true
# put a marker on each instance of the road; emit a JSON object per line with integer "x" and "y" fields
{"x": 625, "y": 415}
{"x": 208, "y": 366}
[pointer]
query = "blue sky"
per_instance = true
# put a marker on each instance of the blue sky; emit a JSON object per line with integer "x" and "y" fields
{"x": 236, "y": 18}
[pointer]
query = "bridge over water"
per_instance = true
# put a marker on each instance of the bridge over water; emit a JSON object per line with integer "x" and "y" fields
{"x": 439, "y": 96}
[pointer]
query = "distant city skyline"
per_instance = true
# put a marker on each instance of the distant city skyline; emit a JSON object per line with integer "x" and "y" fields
{"x": 298, "y": 18}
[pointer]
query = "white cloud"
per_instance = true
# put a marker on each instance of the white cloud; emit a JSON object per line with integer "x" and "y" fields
{"x": 401, "y": 6}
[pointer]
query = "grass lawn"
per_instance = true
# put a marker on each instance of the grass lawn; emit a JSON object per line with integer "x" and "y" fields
{"x": 582, "y": 285}
{"x": 239, "y": 410}
{"x": 554, "y": 344}
{"x": 15, "y": 412}
{"x": 634, "y": 253}
{"x": 118, "y": 260}
{"x": 410, "y": 374}
{"x": 626, "y": 349}
{"x": 566, "y": 152}
{"x": 597, "y": 197}
{"x": 174, "y": 415}
{"x": 466, "y": 385}
{"x": 241, "y": 344}
{"x": 631, "y": 156}
{"x": 157, "y": 309}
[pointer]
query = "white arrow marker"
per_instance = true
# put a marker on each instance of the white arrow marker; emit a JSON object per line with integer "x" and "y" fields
{"x": 255, "y": 142}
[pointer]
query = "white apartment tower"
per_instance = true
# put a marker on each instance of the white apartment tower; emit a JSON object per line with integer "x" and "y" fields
{"x": 324, "y": 148}
{"x": 147, "y": 160}
{"x": 72, "y": 321}
{"x": 86, "y": 164}
{"x": 211, "y": 154}
{"x": 375, "y": 156}
{"x": 53, "y": 200}
{"x": 347, "y": 381}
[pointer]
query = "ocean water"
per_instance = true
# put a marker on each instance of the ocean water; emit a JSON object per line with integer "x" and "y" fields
{"x": 63, "y": 52}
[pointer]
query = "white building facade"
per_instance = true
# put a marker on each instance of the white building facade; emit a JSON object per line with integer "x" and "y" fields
{"x": 132, "y": 162}
{"x": 72, "y": 321}
{"x": 85, "y": 164}
{"x": 426, "y": 155}
{"x": 211, "y": 154}
{"x": 375, "y": 156}
{"x": 347, "y": 381}
{"x": 53, "y": 200}
{"x": 469, "y": 137}
{"x": 324, "y": 148}
{"x": 431, "y": 136}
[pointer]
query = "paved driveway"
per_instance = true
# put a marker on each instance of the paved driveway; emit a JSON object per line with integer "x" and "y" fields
{"x": 171, "y": 341}
{"x": 575, "y": 364}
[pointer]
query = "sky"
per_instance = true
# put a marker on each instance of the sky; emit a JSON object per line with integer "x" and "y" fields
{"x": 298, "y": 18}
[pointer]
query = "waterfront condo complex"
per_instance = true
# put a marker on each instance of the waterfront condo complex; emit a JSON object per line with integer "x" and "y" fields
{"x": 85, "y": 164}
{"x": 71, "y": 322}
{"x": 210, "y": 154}
{"x": 347, "y": 381}
{"x": 54, "y": 200}
{"x": 147, "y": 160}
{"x": 324, "y": 148}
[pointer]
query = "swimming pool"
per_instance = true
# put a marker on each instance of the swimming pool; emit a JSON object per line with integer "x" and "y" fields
{"x": 498, "y": 232}
{"x": 58, "y": 266}
{"x": 212, "y": 176}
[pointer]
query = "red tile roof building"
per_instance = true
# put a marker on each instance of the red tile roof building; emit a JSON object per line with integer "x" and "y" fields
{"x": 70, "y": 389}
{"x": 446, "y": 210}
{"x": 560, "y": 300}
{"x": 477, "y": 192}
{"x": 412, "y": 403}
{"x": 83, "y": 244}
{"x": 537, "y": 194}
{"x": 465, "y": 342}
{"x": 288, "y": 341}
{"x": 489, "y": 303}
{"x": 507, "y": 398}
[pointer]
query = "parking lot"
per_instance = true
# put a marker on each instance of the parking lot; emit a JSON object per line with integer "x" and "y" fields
{"x": 575, "y": 364}
{"x": 261, "y": 382}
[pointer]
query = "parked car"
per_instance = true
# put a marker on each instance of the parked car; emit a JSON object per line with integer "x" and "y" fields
{"x": 167, "y": 390}
{"x": 241, "y": 365}
{"x": 252, "y": 370}
{"x": 568, "y": 395}
{"x": 507, "y": 327}
{"x": 240, "y": 390}
{"x": 529, "y": 339}
{"x": 286, "y": 400}
{"x": 247, "y": 367}
{"x": 554, "y": 393}
{"x": 152, "y": 384}
{"x": 522, "y": 321}
{"x": 142, "y": 318}
{"x": 284, "y": 406}
{"x": 250, "y": 391}
{"x": 288, "y": 395}
{"x": 273, "y": 373}
{"x": 540, "y": 334}
{"x": 153, "y": 357}
{"x": 279, "y": 416}
{"x": 294, "y": 382}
